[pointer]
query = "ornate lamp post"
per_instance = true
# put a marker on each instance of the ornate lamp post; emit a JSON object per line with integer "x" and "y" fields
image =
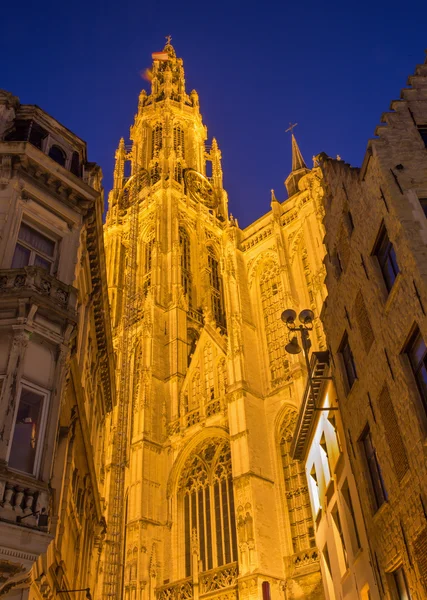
{"x": 305, "y": 317}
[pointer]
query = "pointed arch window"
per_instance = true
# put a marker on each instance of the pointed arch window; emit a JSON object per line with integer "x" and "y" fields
{"x": 206, "y": 498}
{"x": 272, "y": 305}
{"x": 215, "y": 281}
{"x": 297, "y": 495}
{"x": 209, "y": 373}
{"x": 186, "y": 278}
{"x": 178, "y": 140}
{"x": 156, "y": 140}
{"x": 148, "y": 262}
{"x": 177, "y": 174}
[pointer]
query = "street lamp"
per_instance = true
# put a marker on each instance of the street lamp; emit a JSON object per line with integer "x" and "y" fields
{"x": 306, "y": 318}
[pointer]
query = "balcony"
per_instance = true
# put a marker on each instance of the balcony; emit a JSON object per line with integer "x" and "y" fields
{"x": 211, "y": 583}
{"x": 36, "y": 283}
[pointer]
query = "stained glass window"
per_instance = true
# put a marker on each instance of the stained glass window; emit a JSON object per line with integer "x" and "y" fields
{"x": 206, "y": 493}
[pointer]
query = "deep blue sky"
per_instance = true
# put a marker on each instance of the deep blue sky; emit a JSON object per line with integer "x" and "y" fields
{"x": 332, "y": 67}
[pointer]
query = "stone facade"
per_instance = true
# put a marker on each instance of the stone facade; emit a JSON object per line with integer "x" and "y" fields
{"x": 215, "y": 505}
{"x": 56, "y": 367}
{"x": 375, "y": 321}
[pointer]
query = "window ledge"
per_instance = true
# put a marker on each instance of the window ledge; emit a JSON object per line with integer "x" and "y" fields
{"x": 382, "y": 509}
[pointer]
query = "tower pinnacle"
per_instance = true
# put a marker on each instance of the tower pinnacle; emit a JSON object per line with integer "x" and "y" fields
{"x": 299, "y": 168}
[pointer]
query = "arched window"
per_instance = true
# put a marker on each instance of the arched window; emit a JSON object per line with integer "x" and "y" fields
{"x": 75, "y": 167}
{"x": 148, "y": 262}
{"x": 297, "y": 495}
{"x": 206, "y": 498}
{"x": 186, "y": 280}
{"x": 272, "y": 307}
{"x": 58, "y": 155}
{"x": 156, "y": 140}
{"x": 215, "y": 282}
{"x": 178, "y": 140}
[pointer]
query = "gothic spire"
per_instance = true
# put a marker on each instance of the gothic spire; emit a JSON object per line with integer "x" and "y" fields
{"x": 299, "y": 168}
{"x": 297, "y": 159}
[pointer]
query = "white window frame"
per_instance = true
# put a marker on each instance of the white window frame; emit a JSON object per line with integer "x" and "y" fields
{"x": 49, "y": 235}
{"x": 24, "y": 383}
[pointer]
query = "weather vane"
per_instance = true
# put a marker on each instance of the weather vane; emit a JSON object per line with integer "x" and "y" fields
{"x": 168, "y": 39}
{"x": 291, "y": 127}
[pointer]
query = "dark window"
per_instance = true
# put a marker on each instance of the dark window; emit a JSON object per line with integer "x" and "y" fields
{"x": 216, "y": 288}
{"x": 374, "y": 470}
{"x": 75, "y": 164}
{"x": 423, "y": 202}
{"x": 26, "y": 433}
{"x": 336, "y": 517}
{"x": 33, "y": 248}
{"x": 386, "y": 256}
{"x": 58, "y": 155}
{"x": 422, "y": 130}
{"x": 417, "y": 353}
{"x": 184, "y": 242}
{"x": 37, "y": 135}
{"x": 348, "y": 361}
{"x": 400, "y": 585}
{"x": 354, "y": 535}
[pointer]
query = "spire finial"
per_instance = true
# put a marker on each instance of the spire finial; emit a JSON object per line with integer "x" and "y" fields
{"x": 291, "y": 128}
{"x": 297, "y": 159}
{"x": 168, "y": 39}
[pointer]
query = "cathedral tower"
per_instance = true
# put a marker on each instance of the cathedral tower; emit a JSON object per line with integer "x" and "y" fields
{"x": 200, "y": 471}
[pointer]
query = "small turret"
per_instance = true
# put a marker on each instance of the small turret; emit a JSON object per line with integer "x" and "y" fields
{"x": 119, "y": 169}
{"x": 299, "y": 169}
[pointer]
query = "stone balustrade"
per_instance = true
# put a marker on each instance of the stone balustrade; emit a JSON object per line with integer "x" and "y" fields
{"x": 37, "y": 280}
{"x": 18, "y": 501}
{"x": 211, "y": 584}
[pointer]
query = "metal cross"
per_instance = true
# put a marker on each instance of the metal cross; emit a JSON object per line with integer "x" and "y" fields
{"x": 168, "y": 39}
{"x": 291, "y": 127}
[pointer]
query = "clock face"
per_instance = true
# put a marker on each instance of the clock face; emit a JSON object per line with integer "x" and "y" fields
{"x": 200, "y": 189}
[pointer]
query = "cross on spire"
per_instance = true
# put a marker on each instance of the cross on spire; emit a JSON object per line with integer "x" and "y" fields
{"x": 168, "y": 39}
{"x": 291, "y": 127}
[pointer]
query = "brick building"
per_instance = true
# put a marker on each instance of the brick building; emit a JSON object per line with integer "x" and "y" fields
{"x": 376, "y": 325}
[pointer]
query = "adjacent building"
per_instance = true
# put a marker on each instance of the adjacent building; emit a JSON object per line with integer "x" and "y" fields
{"x": 319, "y": 442}
{"x": 376, "y": 326}
{"x": 56, "y": 358}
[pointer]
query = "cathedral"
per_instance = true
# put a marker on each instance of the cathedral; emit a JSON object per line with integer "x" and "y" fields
{"x": 163, "y": 434}
{"x": 207, "y": 396}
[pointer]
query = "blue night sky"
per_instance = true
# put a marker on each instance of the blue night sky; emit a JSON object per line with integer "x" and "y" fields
{"x": 332, "y": 67}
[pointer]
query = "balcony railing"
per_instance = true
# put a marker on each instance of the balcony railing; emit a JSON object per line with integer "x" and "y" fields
{"x": 18, "y": 501}
{"x": 37, "y": 280}
{"x": 210, "y": 583}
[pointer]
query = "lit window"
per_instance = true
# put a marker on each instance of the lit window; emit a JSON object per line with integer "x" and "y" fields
{"x": 400, "y": 585}
{"x": 422, "y": 130}
{"x": 384, "y": 251}
{"x": 314, "y": 488}
{"x": 417, "y": 354}
{"x": 33, "y": 248}
{"x": 323, "y": 449}
{"x": 26, "y": 439}
{"x": 58, "y": 155}
{"x": 348, "y": 361}
{"x": 374, "y": 471}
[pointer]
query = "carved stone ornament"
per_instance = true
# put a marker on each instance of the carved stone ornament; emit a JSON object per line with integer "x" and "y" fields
{"x": 200, "y": 189}
{"x": 8, "y": 106}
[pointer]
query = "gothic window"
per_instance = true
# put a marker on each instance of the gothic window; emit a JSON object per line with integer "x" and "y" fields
{"x": 177, "y": 174}
{"x": 156, "y": 140}
{"x": 209, "y": 373}
{"x": 148, "y": 262}
{"x": 297, "y": 495}
{"x": 178, "y": 140}
{"x": 155, "y": 173}
{"x": 272, "y": 306}
{"x": 186, "y": 279}
{"x": 215, "y": 281}
{"x": 206, "y": 499}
